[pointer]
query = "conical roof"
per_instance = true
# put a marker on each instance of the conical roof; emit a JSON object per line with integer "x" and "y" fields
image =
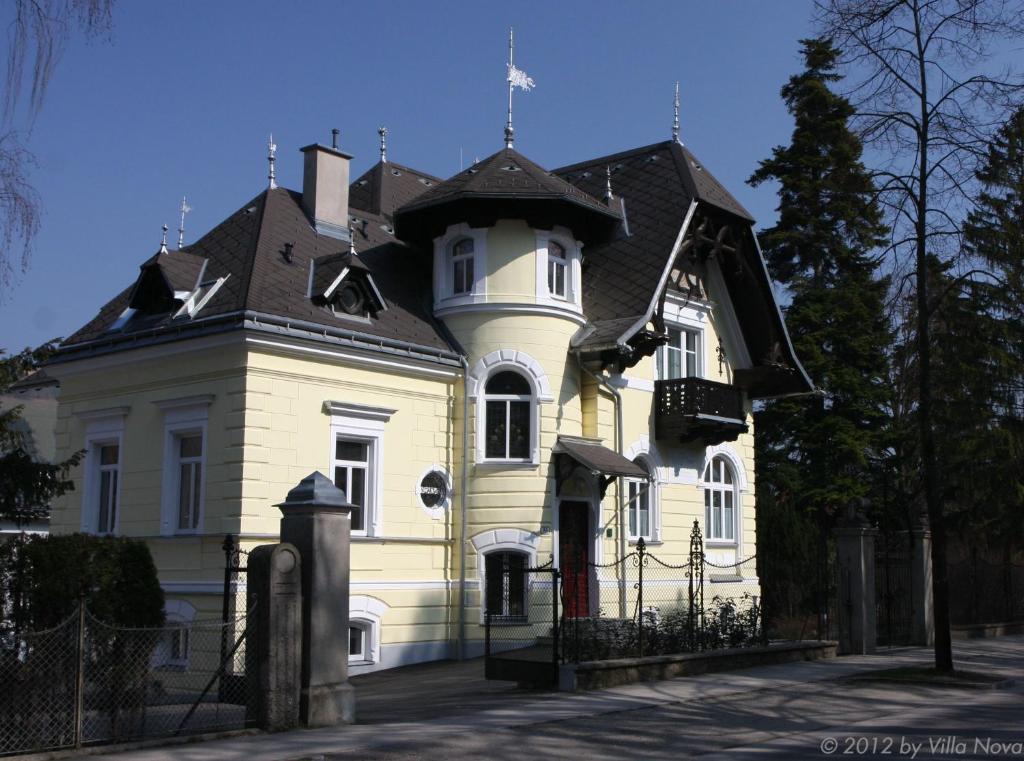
{"x": 505, "y": 185}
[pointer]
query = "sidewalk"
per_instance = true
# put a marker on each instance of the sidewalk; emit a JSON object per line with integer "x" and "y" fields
{"x": 433, "y": 710}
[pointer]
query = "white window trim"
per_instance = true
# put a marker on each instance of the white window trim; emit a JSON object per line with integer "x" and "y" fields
{"x": 437, "y": 511}
{"x": 643, "y": 449}
{"x": 534, "y": 443}
{"x": 367, "y": 613}
{"x": 500, "y": 540}
{"x": 573, "y": 276}
{"x": 102, "y": 427}
{"x": 180, "y": 614}
{"x": 686, "y": 316}
{"x": 740, "y": 488}
{"x": 362, "y": 422}
{"x": 183, "y": 416}
{"x": 444, "y": 295}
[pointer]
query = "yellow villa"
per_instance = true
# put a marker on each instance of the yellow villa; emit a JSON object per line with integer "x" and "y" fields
{"x": 509, "y": 367}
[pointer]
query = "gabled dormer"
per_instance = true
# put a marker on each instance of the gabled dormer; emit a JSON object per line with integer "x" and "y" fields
{"x": 170, "y": 286}
{"x": 344, "y": 284}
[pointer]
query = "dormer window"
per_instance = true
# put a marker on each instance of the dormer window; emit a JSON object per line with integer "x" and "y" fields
{"x": 557, "y": 264}
{"x": 462, "y": 266}
{"x": 344, "y": 284}
{"x": 350, "y": 300}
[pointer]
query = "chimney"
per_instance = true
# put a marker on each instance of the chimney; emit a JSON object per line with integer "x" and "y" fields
{"x": 325, "y": 189}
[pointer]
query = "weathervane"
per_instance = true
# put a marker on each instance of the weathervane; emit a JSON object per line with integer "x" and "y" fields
{"x": 185, "y": 209}
{"x": 271, "y": 151}
{"x": 675, "y": 117}
{"x": 163, "y": 242}
{"x": 516, "y": 78}
{"x": 383, "y": 132}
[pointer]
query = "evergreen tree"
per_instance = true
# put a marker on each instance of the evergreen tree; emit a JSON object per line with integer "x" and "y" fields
{"x": 26, "y": 485}
{"x": 815, "y": 453}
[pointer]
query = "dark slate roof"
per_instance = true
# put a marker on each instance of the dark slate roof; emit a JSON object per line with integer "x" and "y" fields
{"x": 386, "y": 186}
{"x": 248, "y": 248}
{"x": 181, "y": 271}
{"x": 507, "y": 177}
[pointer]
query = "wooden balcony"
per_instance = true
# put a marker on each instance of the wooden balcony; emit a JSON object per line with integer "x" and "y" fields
{"x": 695, "y": 409}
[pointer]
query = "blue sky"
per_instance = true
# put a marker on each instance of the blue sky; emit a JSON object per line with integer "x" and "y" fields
{"x": 181, "y": 98}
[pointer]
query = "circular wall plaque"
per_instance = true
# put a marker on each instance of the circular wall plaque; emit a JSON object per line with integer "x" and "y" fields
{"x": 433, "y": 489}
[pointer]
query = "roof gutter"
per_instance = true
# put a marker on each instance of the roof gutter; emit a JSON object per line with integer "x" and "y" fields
{"x": 639, "y": 324}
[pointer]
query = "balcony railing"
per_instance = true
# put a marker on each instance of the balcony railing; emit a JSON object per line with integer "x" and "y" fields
{"x": 695, "y": 409}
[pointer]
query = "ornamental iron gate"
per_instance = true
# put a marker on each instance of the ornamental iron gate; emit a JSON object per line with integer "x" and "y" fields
{"x": 894, "y": 603}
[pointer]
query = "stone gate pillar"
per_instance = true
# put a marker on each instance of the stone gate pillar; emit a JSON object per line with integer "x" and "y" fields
{"x": 855, "y": 565}
{"x": 922, "y": 627}
{"x": 275, "y": 578}
{"x": 317, "y": 520}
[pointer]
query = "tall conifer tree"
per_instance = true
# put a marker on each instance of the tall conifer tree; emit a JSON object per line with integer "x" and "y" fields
{"x": 815, "y": 454}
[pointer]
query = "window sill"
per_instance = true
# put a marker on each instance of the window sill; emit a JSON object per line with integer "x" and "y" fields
{"x": 508, "y": 620}
{"x": 507, "y": 464}
{"x": 360, "y": 662}
{"x": 721, "y": 544}
{"x": 647, "y": 542}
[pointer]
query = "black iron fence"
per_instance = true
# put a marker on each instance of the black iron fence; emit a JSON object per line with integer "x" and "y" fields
{"x": 894, "y": 599}
{"x": 985, "y": 591}
{"x": 85, "y": 682}
{"x": 536, "y": 618}
{"x": 642, "y": 605}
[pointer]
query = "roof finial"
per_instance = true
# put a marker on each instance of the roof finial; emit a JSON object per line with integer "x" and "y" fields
{"x": 185, "y": 209}
{"x": 271, "y": 151}
{"x": 608, "y": 184}
{"x": 351, "y": 238}
{"x": 516, "y": 78}
{"x": 675, "y": 117}
{"x": 383, "y": 132}
{"x": 163, "y": 242}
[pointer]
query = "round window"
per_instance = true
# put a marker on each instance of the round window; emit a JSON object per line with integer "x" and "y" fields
{"x": 433, "y": 489}
{"x": 350, "y": 299}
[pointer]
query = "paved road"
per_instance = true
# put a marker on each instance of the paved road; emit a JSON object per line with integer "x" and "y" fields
{"x": 772, "y": 712}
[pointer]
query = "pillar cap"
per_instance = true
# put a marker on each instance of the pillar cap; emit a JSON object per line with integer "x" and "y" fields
{"x": 316, "y": 493}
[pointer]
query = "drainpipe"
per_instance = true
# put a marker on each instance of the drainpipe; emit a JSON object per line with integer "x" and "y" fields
{"x": 463, "y": 508}
{"x": 620, "y": 482}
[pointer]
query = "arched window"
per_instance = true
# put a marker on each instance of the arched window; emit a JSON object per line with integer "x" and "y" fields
{"x": 505, "y": 576}
{"x": 641, "y": 516}
{"x": 508, "y": 412}
{"x": 557, "y": 269}
{"x": 462, "y": 266}
{"x": 720, "y": 500}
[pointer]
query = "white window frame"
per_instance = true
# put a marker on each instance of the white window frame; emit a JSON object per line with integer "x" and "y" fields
{"x": 534, "y": 418}
{"x": 444, "y": 286}
{"x": 685, "y": 315}
{"x": 636, "y": 485}
{"x": 556, "y": 265}
{"x": 180, "y": 616}
{"x": 367, "y": 466}
{"x": 500, "y": 540}
{"x": 711, "y": 487}
{"x": 351, "y": 421}
{"x": 684, "y": 353}
{"x": 571, "y": 300}
{"x": 468, "y": 261}
{"x": 645, "y": 451}
{"x": 103, "y": 427}
{"x": 364, "y": 628}
{"x": 504, "y": 616}
{"x": 367, "y": 613}
{"x": 183, "y": 417}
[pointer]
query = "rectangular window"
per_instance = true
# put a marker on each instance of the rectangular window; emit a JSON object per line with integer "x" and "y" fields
{"x": 505, "y": 573}
{"x": 356, "y": 643}
{"x": 680, "y": 357}
{"x": 639, "y": 510}
{"x": 109, "y": 468}
{"x": 508, "y": 430}
{"x": 190, "y": 480}
{"x": 462, "y": 266}
{"x": 351, "y": 466}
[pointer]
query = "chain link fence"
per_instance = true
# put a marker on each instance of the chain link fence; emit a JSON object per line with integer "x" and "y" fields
{"x": 85, "y": 682}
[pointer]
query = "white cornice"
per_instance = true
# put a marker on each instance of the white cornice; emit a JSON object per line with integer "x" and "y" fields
{"x": 504, "y": 307}
{"x": 349, "y": 358}
{"x": 200, "y": 400}
{"x": 103, "y": 413}
{"x": 362, "y": 411}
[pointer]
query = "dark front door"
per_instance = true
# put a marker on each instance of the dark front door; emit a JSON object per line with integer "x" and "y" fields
{"x": 574, "y": 556}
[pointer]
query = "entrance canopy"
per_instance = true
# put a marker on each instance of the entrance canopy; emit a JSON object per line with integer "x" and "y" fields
{"x": 595, "y": 457}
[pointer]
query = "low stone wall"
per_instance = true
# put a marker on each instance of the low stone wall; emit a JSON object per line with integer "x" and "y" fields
{"x": 593, "y": 675}
{"x": 980, "y": 631}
